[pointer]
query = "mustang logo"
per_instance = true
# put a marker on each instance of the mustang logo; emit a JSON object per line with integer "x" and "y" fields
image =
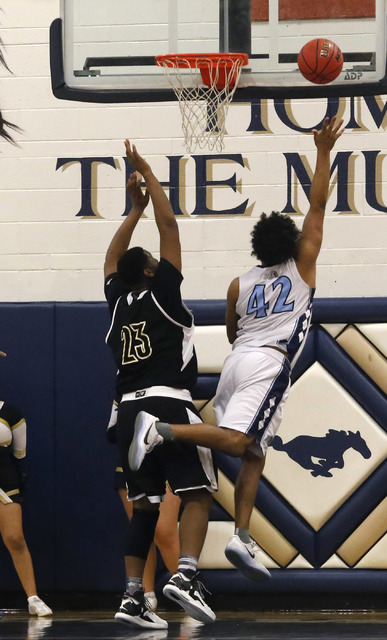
{"x": 328, "y": 451}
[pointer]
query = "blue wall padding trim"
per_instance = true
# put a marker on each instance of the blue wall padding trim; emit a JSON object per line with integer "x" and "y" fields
{"x": 205, "y": 387}
{"x": 308, "y": 356}
{"x": 324, "y": 581}
{"x": 351, "y": 514}
{"x": 351, "y": 377}
{"x": 325, "y": 310}
{"x": 208, "y": 312}
{"x": 349, "y": 310}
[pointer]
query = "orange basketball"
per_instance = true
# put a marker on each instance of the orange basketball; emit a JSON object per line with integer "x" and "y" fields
{"x": 320, "y": 61}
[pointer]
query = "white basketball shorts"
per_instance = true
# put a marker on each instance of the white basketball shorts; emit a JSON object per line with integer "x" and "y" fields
{"x": 251, "y": 394}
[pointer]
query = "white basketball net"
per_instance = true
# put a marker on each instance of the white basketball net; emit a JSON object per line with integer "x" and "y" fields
{"x": 203, "y": 108}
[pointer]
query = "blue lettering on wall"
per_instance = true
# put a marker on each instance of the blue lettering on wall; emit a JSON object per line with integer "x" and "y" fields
{"x": 296, "y": 167}
{"x": 87, "y": 166}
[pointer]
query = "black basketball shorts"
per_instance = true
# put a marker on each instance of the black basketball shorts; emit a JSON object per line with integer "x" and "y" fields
{"x": 9, "y": 478}
{"x": 183, "y": 465}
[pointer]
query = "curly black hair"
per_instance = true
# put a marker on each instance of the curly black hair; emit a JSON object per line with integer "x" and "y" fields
{"x": 275, "y": 239}
{"x": 131, "y": 265}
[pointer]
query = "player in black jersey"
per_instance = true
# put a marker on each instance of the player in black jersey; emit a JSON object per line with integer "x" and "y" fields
{"x": 12, "y": 450}
{"x": 151, "y": 337}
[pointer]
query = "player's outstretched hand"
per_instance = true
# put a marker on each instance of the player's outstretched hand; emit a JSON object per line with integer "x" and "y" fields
{"x": 138, "y": 197}
{"x": 331, "y": 130}
{"x": 138, "y": 163}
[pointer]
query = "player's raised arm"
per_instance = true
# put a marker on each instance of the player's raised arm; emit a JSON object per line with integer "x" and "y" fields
{"x": 123, "y": 235}
{"x": 164, "y": 216}
{"x": 312, "y": 230}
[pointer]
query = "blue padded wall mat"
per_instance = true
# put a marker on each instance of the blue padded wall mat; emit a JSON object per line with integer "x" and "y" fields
{"x": 60, "y": 373}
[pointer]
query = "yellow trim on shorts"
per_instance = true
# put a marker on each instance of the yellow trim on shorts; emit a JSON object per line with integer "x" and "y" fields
{"x": 5, "y": 496}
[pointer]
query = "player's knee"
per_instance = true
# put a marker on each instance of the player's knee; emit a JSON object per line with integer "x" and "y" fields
{"x": 14, "y": 542}
{"x": 239, "y": 442}
{"x": 251, "y": 458}
{"x": 165, "y": 530}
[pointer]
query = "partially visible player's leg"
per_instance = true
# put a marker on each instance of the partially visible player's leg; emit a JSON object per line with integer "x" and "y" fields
{"x": 251, "y": 399}
{"x": 194, "y": 521}
{"x": 193, "y": 477}
{"x": 246, "y": 488}
{"x": 11, "y": 530}
{"x": 184, "y": 587}
{"x": 242, "y": 551}
{"x": 148, "y": 579}
{"x": 134, "y": 609}
{"x": 150, "y": 432}
{"x": 167, "y": 535}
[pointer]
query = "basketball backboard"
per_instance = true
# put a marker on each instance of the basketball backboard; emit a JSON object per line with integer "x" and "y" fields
{"x": 104, "y": 51}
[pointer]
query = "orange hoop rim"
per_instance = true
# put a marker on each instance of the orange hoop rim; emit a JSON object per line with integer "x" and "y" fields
{"x": 193, "y": 60}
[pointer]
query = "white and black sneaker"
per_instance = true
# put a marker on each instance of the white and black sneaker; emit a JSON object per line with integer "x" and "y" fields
{"x": 36, "y": 607}
{"x": 189, "y": 595}
{"x": 244, "y": 556}
{"x": 145, "y": 439}
{"x": 135, "y": 610}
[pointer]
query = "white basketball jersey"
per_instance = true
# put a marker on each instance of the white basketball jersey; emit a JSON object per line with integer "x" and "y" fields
{"x": 275, "y": 308}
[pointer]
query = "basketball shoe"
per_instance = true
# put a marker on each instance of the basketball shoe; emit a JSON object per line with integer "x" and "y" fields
{"x": 244, "y": 556}
{"x": 145, "y": 439}
{"x": 135, "y": 610}
{"x": 150, "y": 597}
{"x": 189, "y": 595}
{"x": 36, "y": 607}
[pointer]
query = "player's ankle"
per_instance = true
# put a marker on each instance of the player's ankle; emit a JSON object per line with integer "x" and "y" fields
{"x": 243, "y": 534}
{"x": 164, "y": 429}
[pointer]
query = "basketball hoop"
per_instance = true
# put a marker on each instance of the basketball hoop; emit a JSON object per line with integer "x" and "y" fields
{"x": 204, "y": 84}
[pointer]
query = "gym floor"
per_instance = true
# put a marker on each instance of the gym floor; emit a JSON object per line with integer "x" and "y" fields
{"x": 279, "y": 625}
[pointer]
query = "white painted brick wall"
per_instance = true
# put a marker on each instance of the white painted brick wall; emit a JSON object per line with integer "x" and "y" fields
{"x": 47, "y": 253}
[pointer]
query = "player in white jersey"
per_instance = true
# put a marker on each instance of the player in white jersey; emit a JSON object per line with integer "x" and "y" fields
{"x": 267, "y": 319}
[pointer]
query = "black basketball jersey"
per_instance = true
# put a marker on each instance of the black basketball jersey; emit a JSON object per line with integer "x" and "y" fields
{"x": 151, "y": 336}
